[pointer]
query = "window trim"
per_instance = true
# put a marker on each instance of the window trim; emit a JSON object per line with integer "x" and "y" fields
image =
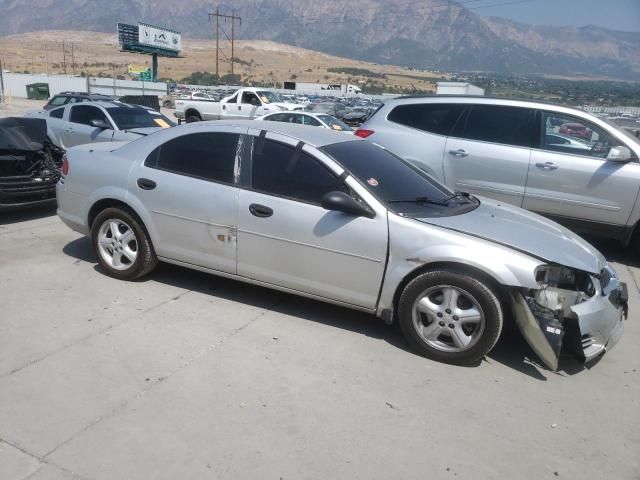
{"x": 301, "y": 146}
{"x": 236, "y": 183}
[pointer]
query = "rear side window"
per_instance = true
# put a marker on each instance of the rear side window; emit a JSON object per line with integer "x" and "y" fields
{"x": 208, "y": 156}
{"x": 57, "y": 100}
{"x": 436, "y": 118}
{"x": 279, "y": 117}
{"x": 497, "y": 124}
{"x": 282, "y": 170}
{"x": 57, "y": 113}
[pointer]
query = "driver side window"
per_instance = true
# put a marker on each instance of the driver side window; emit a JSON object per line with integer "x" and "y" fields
{"x": 84, "y": 114}
{"x": 250, "y": 98}
{"x": 567, "y": 134}
{"x": 285, "y": 171}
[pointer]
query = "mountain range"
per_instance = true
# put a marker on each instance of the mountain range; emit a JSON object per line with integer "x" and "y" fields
{"x": 435, "y": 34}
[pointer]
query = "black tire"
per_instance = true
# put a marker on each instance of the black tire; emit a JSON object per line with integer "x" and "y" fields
{"x": 193, "y": 118}
{"x": 145, "y": 260}
{"x": 478, "y": 288}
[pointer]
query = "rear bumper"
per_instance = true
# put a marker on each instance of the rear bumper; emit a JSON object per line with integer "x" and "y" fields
{"x": 70, "y": 210}
{"x": 26, "y": 195}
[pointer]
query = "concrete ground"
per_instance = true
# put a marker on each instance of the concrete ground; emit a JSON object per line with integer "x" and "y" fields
{"x": 184, "y": 375}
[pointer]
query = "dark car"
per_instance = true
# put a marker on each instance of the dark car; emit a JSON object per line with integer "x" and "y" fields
{"x": 74, "y": 97}
{"x": 29, "y": 163}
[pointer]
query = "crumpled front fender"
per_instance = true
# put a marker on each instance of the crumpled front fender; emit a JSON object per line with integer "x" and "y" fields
{"x": 411, "y": 249}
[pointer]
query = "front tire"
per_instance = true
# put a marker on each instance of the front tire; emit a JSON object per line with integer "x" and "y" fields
{"x": 450, "y": 316}
{"x": 122, "y": 245}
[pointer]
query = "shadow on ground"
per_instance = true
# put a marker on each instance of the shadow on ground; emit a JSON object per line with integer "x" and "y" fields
{"x": 511, "y": 351}
{"x": 25, "y": 214}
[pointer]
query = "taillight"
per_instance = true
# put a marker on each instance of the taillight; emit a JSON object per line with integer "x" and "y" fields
{"x": 363, "y": 133}
{"x": 65, "y": 165}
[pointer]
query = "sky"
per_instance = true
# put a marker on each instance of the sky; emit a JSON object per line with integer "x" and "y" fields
{"x": 613, "y": 14}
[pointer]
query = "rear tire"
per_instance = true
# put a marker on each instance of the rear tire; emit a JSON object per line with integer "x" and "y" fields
{"x": 122, "y": 244}
{"x": 193, "y": 119}
{"x": 450, "y": 316}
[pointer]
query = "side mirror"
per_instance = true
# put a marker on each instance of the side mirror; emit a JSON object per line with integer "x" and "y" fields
{"x": 619, "y": 154}
{"x": 98, "y": 123}
{"x": 341, "y": 202}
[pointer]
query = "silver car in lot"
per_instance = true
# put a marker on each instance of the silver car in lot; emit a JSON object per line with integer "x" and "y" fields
{"x": 342, "y": 220}
{"x": 308, "y": 118}
{"x": 100, "y": 121}
{"x": 566, "y": 164}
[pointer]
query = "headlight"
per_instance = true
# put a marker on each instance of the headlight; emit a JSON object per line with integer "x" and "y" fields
{"x": 563, "y": 278}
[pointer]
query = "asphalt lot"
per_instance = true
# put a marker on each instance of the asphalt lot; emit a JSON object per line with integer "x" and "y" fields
{"x": 184, "y": 375}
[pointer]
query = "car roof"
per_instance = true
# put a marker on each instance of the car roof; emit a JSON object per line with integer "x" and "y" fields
{"x": 494, "y": 100}
{"x": 111, "y": 104}
{"x": 314, "y": 136}
{"x": 83, "y": 94}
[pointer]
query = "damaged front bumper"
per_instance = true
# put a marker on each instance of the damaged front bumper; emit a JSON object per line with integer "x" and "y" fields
{"x": 555, "y": 320}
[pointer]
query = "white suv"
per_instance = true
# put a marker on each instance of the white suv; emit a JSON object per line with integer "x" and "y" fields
{"x": 564, "y": 163}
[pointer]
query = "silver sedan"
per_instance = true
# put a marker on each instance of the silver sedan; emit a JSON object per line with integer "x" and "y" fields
{"x": 342, "y": 220}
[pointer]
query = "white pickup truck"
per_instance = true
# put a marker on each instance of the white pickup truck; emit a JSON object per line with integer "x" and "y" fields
{"x": 246, "y": 103}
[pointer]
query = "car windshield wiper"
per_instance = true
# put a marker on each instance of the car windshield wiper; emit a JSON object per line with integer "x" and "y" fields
{"x": 443, "y": 201}
{"x": 428, "y": 200}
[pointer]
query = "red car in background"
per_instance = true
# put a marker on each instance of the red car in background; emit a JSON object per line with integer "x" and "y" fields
{"x": 575, "y": 130}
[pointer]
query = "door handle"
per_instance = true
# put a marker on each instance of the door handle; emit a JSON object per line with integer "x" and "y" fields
{"x": 146, "y": 184}
{"x": 260, "y": 210}
{"x": 239, "y": 107}
{"x": 547, "y": 166}
{"x": 458, "y": 153}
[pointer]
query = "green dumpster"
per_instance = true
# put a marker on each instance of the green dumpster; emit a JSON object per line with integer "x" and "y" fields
{"x": 38, "y": 91}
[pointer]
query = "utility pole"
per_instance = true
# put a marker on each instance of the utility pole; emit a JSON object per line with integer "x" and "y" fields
{"x": 73, "y": 59}
{"x": 233, "y": 17}
{"x": 1, "y": 83}
{"x": 64, "y": 57}
{"x": 233, "y": 23}
{"x": 217, "y": 15}
{"x": 46, "y": 59}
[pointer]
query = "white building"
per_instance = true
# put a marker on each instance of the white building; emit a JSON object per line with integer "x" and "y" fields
{"x": 458, "y": 88}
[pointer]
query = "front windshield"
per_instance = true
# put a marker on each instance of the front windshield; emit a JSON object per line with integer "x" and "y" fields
{"x": 334, "y": 123}
{"x": 128, "y": 118}
{"x": 403, "y": 188}
{"x": 269, "y": 97}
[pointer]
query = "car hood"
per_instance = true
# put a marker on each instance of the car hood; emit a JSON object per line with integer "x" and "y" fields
{"x": 286, "y": 106}
{"x": 527, "y": 232}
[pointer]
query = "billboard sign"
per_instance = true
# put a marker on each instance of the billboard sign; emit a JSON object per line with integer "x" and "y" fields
{"x": 159, "y": 37}
{"x": 137, "y": 69}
